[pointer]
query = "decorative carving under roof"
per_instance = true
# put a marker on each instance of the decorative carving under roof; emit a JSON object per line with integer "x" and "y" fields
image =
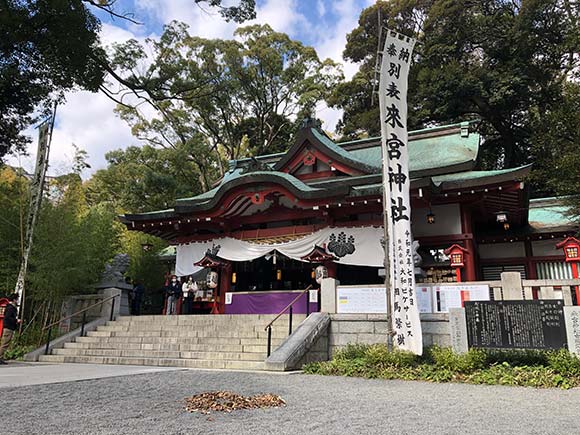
{"x": 318, "y": 255}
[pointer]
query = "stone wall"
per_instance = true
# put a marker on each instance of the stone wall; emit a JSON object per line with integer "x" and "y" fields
{"x": 372, "y": 328}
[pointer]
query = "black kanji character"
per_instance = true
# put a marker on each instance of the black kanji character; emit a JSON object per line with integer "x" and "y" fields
{"x": 398, "y": 323}
{"x": 396, "y": 307}
{"x": 404, "y": 55}
{"x": 393, "y": 145}
{"x": 398, "y": 178}
{"x": 398, "y": 210}
{"x": 393, "y": 91}
{"x": 395, "y": 69}
{"x": 393, "y": 116}
{"x": 400, "y": 339}
{"x": 392, "y": 50}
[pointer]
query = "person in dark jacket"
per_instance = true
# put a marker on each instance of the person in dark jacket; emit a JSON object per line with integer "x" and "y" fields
{"x": 10, "y": 324}
{"x": 137, "y": 298}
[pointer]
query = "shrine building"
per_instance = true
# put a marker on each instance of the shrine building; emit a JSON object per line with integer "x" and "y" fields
{"x": 273, "y": 219}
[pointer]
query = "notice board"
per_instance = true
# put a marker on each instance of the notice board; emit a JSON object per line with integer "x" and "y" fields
{"x": 537, "y": 324}
{"x": 363, "y": 300}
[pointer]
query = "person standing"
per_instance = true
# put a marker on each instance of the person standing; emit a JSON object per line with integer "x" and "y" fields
{"x": 189, "y": 289}
{"x": 173, "y": 294}
{"x": 137, "y": 298}
{"x": 10, "y": 324}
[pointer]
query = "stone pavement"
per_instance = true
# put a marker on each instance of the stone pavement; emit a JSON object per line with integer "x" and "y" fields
{"x": 153, "y": 403}
{"x": 17, "y": 374}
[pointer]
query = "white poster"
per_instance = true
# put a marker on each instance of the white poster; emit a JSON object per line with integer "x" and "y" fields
{"x": 424, "y": 299}
{"x": 367, "y": 300}
{"x": 453, "y": 296}
{"x": 396, "y": 58}
{"x": 229, "y": 298}
{"x": 313, "y": 296}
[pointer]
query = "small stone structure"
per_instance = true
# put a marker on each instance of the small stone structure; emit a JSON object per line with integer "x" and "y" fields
{"x": 113, "y": 281}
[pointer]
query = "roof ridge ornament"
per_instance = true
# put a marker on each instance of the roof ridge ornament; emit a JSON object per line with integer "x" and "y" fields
{"x": 255, "y": 165}
{"x": 309, "y": 122}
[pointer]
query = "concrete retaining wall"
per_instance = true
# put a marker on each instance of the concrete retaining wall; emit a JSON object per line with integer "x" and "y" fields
{"x": 372, "y": 329}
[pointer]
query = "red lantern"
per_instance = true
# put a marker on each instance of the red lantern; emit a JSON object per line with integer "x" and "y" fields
{"x": 571, "y": 246}
{"x": 456, "y": 255}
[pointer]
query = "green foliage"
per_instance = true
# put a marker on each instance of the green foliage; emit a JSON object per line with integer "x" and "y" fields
{"x": 47, "y": 47}
{"x": 223, "y": 91}
{"x": 540, "y": 369}
{"x": 504, "y": 63}
{"x": 445, "y": 358}
{"x": 14, "y": 199}
{"x": 145, "y": 179}
{"x": 564, "y": 363}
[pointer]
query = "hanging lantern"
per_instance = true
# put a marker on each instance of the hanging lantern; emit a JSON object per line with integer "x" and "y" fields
{"x": 313, "y": 273}
{"x": 430, "y": 217}
{"x": 321, "y": 273}
{"x": 234, "y": 278}
{"x": 279, "y": 275}
{"x": 212, "y": 279}
{"x": 571, "y": 247}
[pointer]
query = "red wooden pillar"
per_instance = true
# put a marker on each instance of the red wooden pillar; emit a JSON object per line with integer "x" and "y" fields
{"x": 469, "y": 244}
{"x": 225, "y": 285}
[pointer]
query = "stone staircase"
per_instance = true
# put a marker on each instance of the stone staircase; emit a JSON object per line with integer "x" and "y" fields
{"x": 197, "y": 341}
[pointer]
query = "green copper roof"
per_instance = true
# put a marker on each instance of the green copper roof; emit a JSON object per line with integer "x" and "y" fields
{"x": 473, "y": 178}
{"x": 549, "y": 213}
{"x": 437, "y": 154}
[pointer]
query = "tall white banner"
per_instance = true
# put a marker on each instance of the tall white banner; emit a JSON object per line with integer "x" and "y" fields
{"x": 397, "y": 55}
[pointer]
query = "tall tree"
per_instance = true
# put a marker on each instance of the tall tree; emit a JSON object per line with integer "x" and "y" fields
{"x": 491, "y": 60}
{"x": 48, "y": 47}
{"x": 253, "y": 86}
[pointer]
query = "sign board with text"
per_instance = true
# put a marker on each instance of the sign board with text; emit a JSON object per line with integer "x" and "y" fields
{"x": 532, "y": 324}
{"x": 363, "y": 299}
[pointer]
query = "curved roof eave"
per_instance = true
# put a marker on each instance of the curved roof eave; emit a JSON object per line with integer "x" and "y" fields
{"x": 325, "y": 145}
{"x": 292, "y": 184}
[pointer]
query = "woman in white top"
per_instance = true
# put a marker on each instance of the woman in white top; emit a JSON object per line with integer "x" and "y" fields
{"x": 189, "y": 288}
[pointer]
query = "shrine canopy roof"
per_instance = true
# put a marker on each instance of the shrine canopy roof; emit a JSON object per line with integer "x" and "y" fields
{"x": 317, "y": 171}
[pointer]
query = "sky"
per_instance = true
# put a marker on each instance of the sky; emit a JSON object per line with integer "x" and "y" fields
{"x": 87, "y": 119}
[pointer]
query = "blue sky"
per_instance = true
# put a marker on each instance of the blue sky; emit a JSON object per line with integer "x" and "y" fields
{"x": 88, "y": 121}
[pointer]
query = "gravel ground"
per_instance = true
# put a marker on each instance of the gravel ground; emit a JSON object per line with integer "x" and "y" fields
{"x": 152, "y": 403}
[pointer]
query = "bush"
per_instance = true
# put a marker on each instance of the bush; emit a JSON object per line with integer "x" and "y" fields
{"x": 538, "y": 369}
{"x": 351, "y": 351}
{"x": 517, "y": 357}
{"x": 445, "y": 358}
{"x": 564, "y": 363}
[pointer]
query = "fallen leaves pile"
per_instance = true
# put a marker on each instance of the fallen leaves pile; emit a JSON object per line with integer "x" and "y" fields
{"x": 226, "y": 401}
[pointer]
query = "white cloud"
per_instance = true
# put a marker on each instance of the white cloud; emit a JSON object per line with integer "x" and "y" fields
{"x": 86, "y": 120}
{"x": 282, "y": 16}
{"x": 204, "y": 21}
{"x": 333, "y": 39}
{"x": 321, "y": 7}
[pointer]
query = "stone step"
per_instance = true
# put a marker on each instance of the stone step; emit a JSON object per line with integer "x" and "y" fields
{"x": 208, "y": 327}
{"x": 172, "y": 347}
{"x": 162, "y": 362}
{"x": 233, "y": 356}
{"x": 180, "y": 340}
{"x": 189, "y": 334}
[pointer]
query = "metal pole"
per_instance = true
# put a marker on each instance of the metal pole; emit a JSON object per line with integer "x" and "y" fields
{"x": 112, "y": 309}
{"x": 48, "y": 341}
{"x": 269, "y": 340}
{"x": 387, "y": 263}
{"x": 83, "y": 324}
{"x": 290, "y": 322}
